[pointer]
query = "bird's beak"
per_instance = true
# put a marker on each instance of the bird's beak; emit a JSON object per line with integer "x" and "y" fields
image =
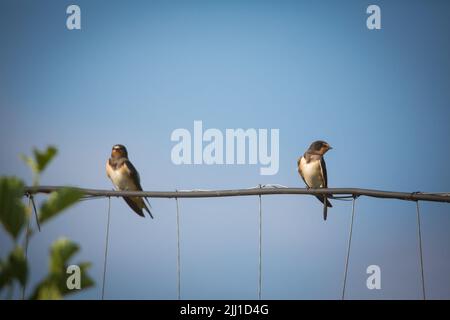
{"x": 330, "y": 147}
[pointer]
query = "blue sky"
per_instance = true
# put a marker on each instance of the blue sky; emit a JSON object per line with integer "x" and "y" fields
{"x": 137, "y": 71}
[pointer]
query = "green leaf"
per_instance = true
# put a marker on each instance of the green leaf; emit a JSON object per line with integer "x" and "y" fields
{"x": 61, "y": 251}
{"x": 48, "y": 291}
{"x": 86, "y": 280}
{"x": 14, "y": 268}
{"x": 58, "y": 201}
{"x": 12, "y": 211}
{"x": 30, "y": 163}
{"x": 54, "y": 286}
{"x": 42, "y": 159}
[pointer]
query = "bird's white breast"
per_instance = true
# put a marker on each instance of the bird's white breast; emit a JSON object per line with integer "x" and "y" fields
{"x": 120, "y": 180}
{"x": 312, "y": 173}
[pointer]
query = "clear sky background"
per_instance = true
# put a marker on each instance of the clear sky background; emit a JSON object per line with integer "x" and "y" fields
{"x": 140, "y": 69}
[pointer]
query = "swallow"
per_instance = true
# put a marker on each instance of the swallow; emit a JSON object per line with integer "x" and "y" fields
{"x": 312, "y": 169}
{"x": 125, "y": 177}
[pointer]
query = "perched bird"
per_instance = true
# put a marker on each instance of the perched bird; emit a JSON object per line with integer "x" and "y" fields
{"x": 312, "y": 169}
{"x": 125, "y": 177}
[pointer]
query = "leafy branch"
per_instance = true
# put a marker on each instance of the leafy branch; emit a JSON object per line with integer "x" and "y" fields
{"x": 14, "y": 217}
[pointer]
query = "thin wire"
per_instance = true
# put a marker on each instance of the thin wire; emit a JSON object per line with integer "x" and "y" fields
{"x": 348, "y": 249}
{"x": 27, "y": 238}
{"x": 260, "y": 249}
{"x": 35, "y": 213}
{"x": 341, "y": 198}
{"x": 267, "y": 189}
{"x": 106, "y": 247}
{"x": 85, "y": 198}
{"x": 178, "y": 253}
{"x": 420, "y": 250}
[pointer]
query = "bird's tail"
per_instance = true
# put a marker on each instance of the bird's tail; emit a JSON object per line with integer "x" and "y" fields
{"x": 147, "y": 209}
{"x": 326, "y": 205}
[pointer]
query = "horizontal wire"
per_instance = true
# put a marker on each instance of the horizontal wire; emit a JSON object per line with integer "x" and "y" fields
{"x": 254, "y": 191}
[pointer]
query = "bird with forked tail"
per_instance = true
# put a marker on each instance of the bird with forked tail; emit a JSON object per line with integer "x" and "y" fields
{"x": 125, "y": 177}
{"x": 312, "y": 169}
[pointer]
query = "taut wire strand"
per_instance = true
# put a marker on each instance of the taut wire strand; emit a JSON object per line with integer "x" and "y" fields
{"x": 35, "y": 212}
{"x": 420, "y": 250}
{"x": 106, "y": 248}
{"x": 260, "y": 249}
{"x": 348, "y": 249}
{"x": 178, "y": 253}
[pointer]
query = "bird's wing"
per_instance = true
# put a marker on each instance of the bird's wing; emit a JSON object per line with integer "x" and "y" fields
{"x": 133, "y": 205}
{"x": 134, "y": 175}
{"x": 323, "y": 166}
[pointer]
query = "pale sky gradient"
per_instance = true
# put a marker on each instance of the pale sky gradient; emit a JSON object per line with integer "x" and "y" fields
{"x": 140, "y": 69}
